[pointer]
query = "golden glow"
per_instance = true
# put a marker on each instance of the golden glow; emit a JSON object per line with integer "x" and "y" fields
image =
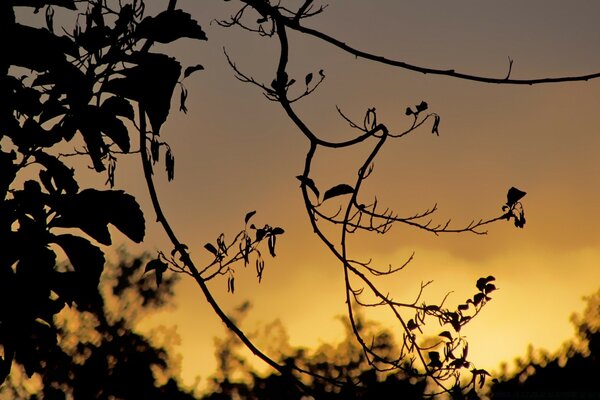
{"x": 236, "y": 152}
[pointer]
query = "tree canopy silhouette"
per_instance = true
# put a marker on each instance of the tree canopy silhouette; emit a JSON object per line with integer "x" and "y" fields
{"x": 104, "y": 84}
{"x": 99, "y": 355}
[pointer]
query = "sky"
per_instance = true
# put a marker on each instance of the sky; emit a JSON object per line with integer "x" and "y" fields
{"x": 236, "y": 152}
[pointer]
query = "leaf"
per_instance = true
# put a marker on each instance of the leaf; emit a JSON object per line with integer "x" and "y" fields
{"x": 446, "y": 335}
{"x": 182, "y": 99}
{"x": 411, "y": 325}
{"x": 155, "y": 264}
{"x": 308, "y": 78}
{"x": 338, "y": 190}
{"x": 409, "y": 111}
{"x": 260, "y": 234}
{"x": 62, "y": 175}
{"x": 248, "y": 216}
{"x": 271, "y": 243}
{"x": 513, "y": 196}
{"x": 119, "y": 106}
{"x": 169, "y": 26}
{"x": 191, "y": 69}
{"x": 436, "y": 125}
{"x": 309, "y": 183}
{"x": 482, "y": 282}
{"x": 170, "y": 165}
{"x": 463, "y": 307}
{"x": 86, "y": 259}
{"x": 421, "y": 107}
{"x": 489, "y": 288}
{"x": 93, "y": 210}
{"x": 434, "y": 358}
{"x": 478, "y": 298}
{"x": 151, "y": 83}
{"x": 114, "y": 128}
{"x": 211, "y": 248}
{"x": 159, "y": 267}
{"x": 277, "y": 231}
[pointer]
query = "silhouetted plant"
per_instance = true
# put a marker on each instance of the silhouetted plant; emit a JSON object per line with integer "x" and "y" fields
{"x": 56, "y": 87}
{"x": 99, "y": 355}
{"x": 340, "y": 371}
{"x": 353, "y": 212}
{"x": 573, "y": 370}
{"x": 101, "y": 82}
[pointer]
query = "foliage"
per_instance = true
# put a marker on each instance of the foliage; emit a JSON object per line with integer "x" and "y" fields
{"x": 99, "y": 355}
{"x": 58, "y": 88}
{"x": 101, "y": 83}
{"x": 572, "y": 370}
{"x": 340, "y": 371}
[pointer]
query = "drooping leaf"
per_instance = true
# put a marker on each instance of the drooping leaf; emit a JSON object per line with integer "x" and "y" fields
{"x": 338, "y": 190}
{"x": 182, "y": 100}
{"x": 248, "y": 216}
{"x": 159, "y": 267}
{"x": 169, "y": 26}
{"x": 114, "y": 128}
{"x": 436, "y": 125}
{"x": 309, "y": 183}
{"x": 513, "y": 196}
{"x": 170, "y": 164}
{"x": 271, "y": 244}
{"x": 191, "y": 69}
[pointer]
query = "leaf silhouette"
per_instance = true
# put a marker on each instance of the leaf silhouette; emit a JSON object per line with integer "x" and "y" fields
{"x": 169, "y": 26}
{"x": 436, "y": 125}
{"x": 308, "y": 78}
{"x": 161, "y": 71}
{"x": 93, "y": 210}
{"x": 338, "y": 190}
{"x": 248, "y": 216}
{"x": 210, "y": 247}
{"x": 190, "y": 70}
{"x": 422, "y": 106}
{"x": 309, "y": 183}
{"x": 513, "y": 196}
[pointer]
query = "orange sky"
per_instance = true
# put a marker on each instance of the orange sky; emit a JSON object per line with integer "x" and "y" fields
{"x": 237, "y": 152}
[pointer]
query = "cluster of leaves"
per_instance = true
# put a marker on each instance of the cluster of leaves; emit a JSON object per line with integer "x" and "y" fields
{"x": 340, "y": 371}
{"x": 514, "y": 208}
{"x": 71, "y": 88}
{"x": 99, "y": 356}
{"x": 226, "y": 254}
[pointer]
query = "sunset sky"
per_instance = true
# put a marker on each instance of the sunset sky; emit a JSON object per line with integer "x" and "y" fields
{"x": 236, "y": 152}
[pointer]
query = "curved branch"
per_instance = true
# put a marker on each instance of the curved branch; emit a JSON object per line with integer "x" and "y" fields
{"x": 265, "y": 9}
{"x": 186, "y": 259}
